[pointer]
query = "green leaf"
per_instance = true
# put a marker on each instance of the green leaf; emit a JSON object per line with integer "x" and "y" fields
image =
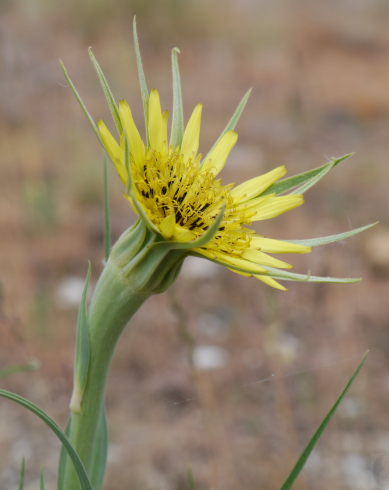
{"x": 284, "y": 185}
{"x": 312, "y": 443}
{"x": 42, "y": 486}
{"x": 33, "y": 365}
{"x": 303, "y": 188}
{"x": 99, "y": 457}
{"x": 108, "y": 94}
{"x": 21, "y": 479}
{"x": 81, "y": 473}
{"x": 88, "y": 116}
{"x": 178, "y": 115}
{"x": 190, "y": 478}
{"x": 107, "y": 225}
{"x": 315, "y": 242}
{"x": 81, "y": 363}
{"x": 291, "y": 276}
{"x": 232, "y": 122}
{"x": 142, "y": 82}
{"x": 63, "y": 460}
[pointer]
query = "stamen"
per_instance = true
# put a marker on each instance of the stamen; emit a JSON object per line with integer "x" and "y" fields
{"x": 168, "y": 184}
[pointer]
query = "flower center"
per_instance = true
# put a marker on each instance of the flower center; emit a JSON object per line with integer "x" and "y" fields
{"x": 168, "y": 184}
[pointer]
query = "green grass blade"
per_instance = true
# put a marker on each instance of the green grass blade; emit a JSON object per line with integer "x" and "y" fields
{"x": 312, "y": 443}
{"x": 108, "y": 94}
{"x": 81, "y": 473}
{"x": 81, "y": 363}
{"x": 142, "y": 81}
{"x": 303, "y": 188}
{"x": 315, "y": 242}
{"x": 232, "y": 122}
{"x": 63, "y": 461}
{"x": 299, "y": 179}
{"x": 42, "y": 483}
{"x": 178, "y": 114}
{"x": 107, "y": 224}
{"x": 99, "y": 458}
{"x": 82, "y": 105}
{"x": 190, "y": 479}
{"x": 33, "y": 365}
{"x": 21, "y": 478}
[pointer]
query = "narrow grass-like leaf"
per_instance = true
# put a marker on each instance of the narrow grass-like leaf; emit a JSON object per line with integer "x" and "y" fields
{"x": 139, "y": 208}
{"x": 63, "y": 460}
{"x": 232, "y": 122}
{"x": 312, "y": 443}
{"x": 142, "y": 82}
{"x": 81, "y": 363}
{"x": 284, "y": 185}
{"x": 42, "y": 482}
{"x": 99, "y": 457}
{"x": 108, "y": 94}
{"x": 107, "y": 225}
{"x": 303, "y": 188}
{"x": 315, "y": 242}
{"x": 33, "y": 365}
{"x": 291, "y": 276}
{"x": 82, "y": 105}
{"x": 81, "y": 473}
{"x": 21, "y": 478}
{"x": 178, "y": 114}
{"x": 190, "y": 479}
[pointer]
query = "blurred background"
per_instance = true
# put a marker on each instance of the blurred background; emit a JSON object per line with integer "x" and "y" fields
{"x": 186, "y": 385}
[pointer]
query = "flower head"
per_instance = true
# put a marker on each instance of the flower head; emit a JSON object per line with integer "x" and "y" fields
{"x": 181, "y": 200}
{"x": 182, "y": 196}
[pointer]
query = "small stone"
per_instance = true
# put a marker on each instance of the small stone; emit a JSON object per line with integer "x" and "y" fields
{"x": 208, "y": 357}
{"x": 69, "y": 292}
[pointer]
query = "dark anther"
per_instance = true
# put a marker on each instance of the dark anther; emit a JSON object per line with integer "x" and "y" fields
{"x": 180, "y": 199}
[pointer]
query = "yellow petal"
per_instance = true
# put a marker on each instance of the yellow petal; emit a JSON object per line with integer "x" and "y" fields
{"x": 168, "y": 225}
{"x": 190, "y": 141}
{"x": 254, "y": 202}
{"x": 113, "y": 150}
{"x": 275, "y": 206}
{"x": 218, "y": 156}
{"x": 241, "y": 273}
{"x": 136, "y": 143}
{"x": 155, "y": 120}
{"x": 164, "y": 144}
{"x": 263, "y": 259}
{"x": 256, "y": 186}
{"x": 278, "y": 246}
{"x": 271, "y": 282}
{"x": 182, "y": 234}
{"x": 245, "y": 265}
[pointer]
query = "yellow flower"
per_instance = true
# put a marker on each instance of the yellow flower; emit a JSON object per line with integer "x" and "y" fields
{"x": 181, "y": 195}
{"x": 178, "y": 196}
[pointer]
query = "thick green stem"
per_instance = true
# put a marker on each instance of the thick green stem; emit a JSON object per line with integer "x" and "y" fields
{"x": 134, "y": 271}
{"x": 112, "y": 306}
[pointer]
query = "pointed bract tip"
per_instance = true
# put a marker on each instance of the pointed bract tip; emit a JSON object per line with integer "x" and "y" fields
{"x": 176, "y": 50}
